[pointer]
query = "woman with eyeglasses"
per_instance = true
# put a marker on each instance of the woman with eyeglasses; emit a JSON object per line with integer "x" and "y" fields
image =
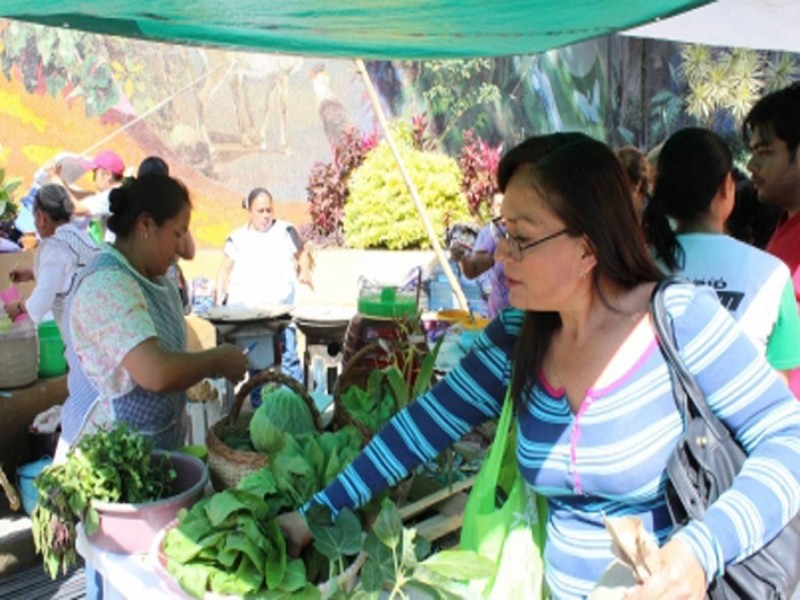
{"x": 596, "y": 416}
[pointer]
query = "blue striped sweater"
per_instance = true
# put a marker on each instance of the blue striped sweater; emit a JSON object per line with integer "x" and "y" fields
{"x": 611, "y": 456}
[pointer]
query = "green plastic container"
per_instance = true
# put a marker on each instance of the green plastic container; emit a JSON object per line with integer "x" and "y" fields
{"x": 51, "y": 350}
{"x": 386, "y": 303}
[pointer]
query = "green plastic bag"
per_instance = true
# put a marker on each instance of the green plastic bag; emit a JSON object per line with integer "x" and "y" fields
{"x": 504, "y": 520}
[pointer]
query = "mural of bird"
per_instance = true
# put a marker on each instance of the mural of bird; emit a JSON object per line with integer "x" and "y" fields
{"x": 334, "y": 116}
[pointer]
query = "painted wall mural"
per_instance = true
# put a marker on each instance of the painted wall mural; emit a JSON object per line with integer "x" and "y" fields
{"x": 230, "y": 121}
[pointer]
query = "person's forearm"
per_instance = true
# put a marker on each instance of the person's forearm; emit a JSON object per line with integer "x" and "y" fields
{"x": 304, "y": 264}
{"x": 476, "y": 264}
{"x": 444, "y": 414}
{"x": 177, "y": 371}
{"x": 40, "y": 302}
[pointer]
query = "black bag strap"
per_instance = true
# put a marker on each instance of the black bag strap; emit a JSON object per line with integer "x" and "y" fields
{"x": 688, "y": 391}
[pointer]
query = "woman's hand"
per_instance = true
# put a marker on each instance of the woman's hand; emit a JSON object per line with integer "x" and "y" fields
{"x": 231, "y": 362}
{"x": 681, "y": 576}
{"x": 296, "y": 532}
{"x": 21, "y": 275}
{"x": 14, "y": 309}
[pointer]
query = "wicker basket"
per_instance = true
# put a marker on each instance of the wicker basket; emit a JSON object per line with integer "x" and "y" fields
{"x": 19, "y": 355}
{"x": 228, "y": 466}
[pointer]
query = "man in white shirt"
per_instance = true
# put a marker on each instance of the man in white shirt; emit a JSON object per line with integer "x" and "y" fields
{"x": 92, "y": 210}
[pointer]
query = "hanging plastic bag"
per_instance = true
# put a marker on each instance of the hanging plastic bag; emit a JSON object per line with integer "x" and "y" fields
{"x": 504, "y": 520}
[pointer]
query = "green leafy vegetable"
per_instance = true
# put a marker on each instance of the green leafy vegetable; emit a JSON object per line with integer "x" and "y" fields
{"x": 286, "y": 410}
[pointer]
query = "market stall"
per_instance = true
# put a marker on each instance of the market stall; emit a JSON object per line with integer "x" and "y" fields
{"x": 165, "y": 26}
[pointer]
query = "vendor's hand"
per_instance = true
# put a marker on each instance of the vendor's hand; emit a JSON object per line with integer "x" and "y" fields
{"x": 457, "y": 253}
{"x": 21, "y": 275}
{"x": 14, "y": 309}
{"x": 231, "y": 362}
{"x": 681, "y": 576}
{"x": 296, "y": 532}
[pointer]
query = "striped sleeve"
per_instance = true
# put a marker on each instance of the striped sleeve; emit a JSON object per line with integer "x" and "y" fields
{"x": 469, "y": 395}
{"x": 751, "y": 400}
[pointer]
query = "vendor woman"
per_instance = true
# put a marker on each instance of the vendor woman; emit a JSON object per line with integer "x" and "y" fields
{"x": 127, "y": 325}
{"x": 261, "y": 265}
{"x": 63, "y": 250}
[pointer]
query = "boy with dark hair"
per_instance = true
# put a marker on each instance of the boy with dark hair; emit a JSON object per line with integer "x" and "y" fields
{"x": 772, "y": 128}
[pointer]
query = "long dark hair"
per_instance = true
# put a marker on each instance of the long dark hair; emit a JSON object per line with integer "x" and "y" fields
{"x": 584, "y": 184}
{"x": 159, "y": 196}
{"x": 692, "y": 165}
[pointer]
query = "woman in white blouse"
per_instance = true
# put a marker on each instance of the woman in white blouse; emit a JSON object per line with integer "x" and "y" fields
{"x": 63, "y": 250}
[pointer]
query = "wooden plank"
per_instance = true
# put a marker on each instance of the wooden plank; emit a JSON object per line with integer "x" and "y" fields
{"x": 438, "y": 526}
{"x": 414, "y": 508}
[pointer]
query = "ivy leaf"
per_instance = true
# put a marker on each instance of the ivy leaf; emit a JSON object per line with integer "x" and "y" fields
{"x": 379, "y": 567}
{"x": 341, "y": 539}
{"x": 409, "y": 549}
{"x": 422, "y": 547}
{"x": 461, "y": 565}
{"x": 388, "y": 525}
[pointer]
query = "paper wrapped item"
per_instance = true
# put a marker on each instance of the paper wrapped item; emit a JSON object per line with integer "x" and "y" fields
{"x": 637, "y": 558}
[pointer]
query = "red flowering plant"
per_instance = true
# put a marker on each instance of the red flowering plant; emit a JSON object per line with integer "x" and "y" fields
{"x": 478, "y": 161}
{"x": 328, "y": 187}
{"x": 420, "y": 133}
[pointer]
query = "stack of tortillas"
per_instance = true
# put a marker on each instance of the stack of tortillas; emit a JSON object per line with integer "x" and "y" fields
{"x": 637, "y": 558}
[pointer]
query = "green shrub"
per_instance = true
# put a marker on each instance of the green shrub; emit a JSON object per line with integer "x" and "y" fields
{"x": 379, "y": 212}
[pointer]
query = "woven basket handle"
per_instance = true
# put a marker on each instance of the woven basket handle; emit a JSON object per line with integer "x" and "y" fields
{"x": 340, "y": 416}
{"x": 351, "y": 364}
{"x": 273, "y": 376}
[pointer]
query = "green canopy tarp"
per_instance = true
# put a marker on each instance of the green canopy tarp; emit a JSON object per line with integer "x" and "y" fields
{"x": 415, "y": 29}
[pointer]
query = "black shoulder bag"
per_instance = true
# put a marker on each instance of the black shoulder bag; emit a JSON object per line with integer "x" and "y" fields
{"x": 703, "y": 466}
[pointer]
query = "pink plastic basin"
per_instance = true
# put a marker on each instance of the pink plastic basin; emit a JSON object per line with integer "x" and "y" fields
{"x": 131, "y": 528}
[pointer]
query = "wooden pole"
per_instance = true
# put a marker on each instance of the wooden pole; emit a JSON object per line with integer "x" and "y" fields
{"x": 412, "y": 189}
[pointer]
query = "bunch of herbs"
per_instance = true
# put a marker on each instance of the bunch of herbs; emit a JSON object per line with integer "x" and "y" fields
{"x": 114, "y": 465}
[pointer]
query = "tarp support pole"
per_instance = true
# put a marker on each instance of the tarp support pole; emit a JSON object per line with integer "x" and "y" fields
{"x": 412, "y": 189}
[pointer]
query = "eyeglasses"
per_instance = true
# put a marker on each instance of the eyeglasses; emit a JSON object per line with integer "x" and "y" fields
{"x": 512, "y": 245}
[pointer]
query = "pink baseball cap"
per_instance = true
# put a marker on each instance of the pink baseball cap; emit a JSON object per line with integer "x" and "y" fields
{"x": 108, "y": 160}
